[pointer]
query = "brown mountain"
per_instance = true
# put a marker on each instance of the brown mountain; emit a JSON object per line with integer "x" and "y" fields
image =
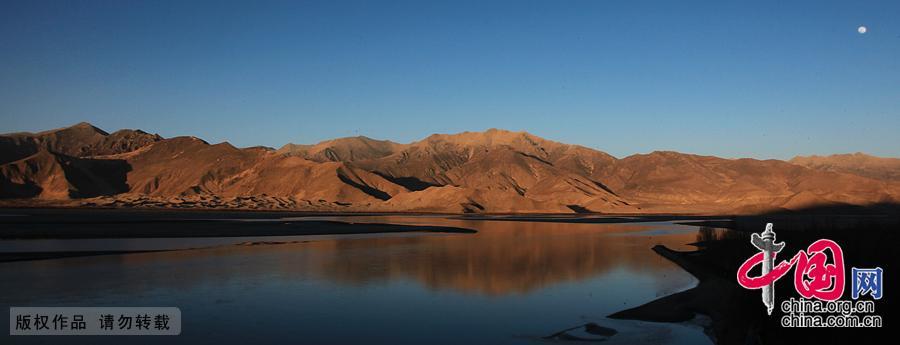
{"x": 679, "y": 182}
{"x": 854, "y": 163}
{"x": 80, "y": 140}
{"x": 52, "y": 176}
{"x": 343, "y": 149}
{"x": 492, "y": 171}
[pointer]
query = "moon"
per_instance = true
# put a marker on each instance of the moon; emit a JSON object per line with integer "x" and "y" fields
{"x": 862, "y": 29}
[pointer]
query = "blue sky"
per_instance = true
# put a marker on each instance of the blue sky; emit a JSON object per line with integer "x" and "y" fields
{"x": 752, "y": 79}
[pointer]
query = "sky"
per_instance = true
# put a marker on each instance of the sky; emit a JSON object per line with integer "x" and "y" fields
{"x": 762, "y": 79}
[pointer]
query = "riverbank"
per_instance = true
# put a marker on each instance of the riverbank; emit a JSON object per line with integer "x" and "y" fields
{"x": 96, "y": 223}
{"x": 68, "y": 224}
{"x": 738, "y": 316}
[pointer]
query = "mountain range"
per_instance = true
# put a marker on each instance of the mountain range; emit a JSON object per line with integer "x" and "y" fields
{"x": 495, "y": 171}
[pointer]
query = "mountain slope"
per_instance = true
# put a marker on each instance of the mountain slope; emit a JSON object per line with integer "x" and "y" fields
{"x": 343, "y": 149}
{"x": 494, "y": 171}
{"x": 47, "y": 175}
{"x": 676, "y": 179}
{"x": 854, "y": 163}
{"x": 80, "y": 140}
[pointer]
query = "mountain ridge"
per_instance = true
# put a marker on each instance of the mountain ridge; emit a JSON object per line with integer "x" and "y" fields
{"x": 494, "y": 171}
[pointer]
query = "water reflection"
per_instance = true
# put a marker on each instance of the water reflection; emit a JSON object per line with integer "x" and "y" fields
{"x": 536, "y": 277}
{"x": 504, "y": 257}
{"x": 710, "y": 234}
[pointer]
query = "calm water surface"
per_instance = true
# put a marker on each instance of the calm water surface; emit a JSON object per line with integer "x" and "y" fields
{"x": 513, "y": 282}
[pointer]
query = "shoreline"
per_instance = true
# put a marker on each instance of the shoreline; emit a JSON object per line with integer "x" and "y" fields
{"x": 712, "y": 297}
{"x": 26, "y": 204}
{"x": 96, "y": 224}
{"x": 737, "y": 315}
{"x": 44, "y": 224}
{"x": 205, "y": 228}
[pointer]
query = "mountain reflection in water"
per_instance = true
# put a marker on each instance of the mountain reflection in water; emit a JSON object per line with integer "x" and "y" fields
{"x": 503, "y": 257}
{"x": 510, "y": 280}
